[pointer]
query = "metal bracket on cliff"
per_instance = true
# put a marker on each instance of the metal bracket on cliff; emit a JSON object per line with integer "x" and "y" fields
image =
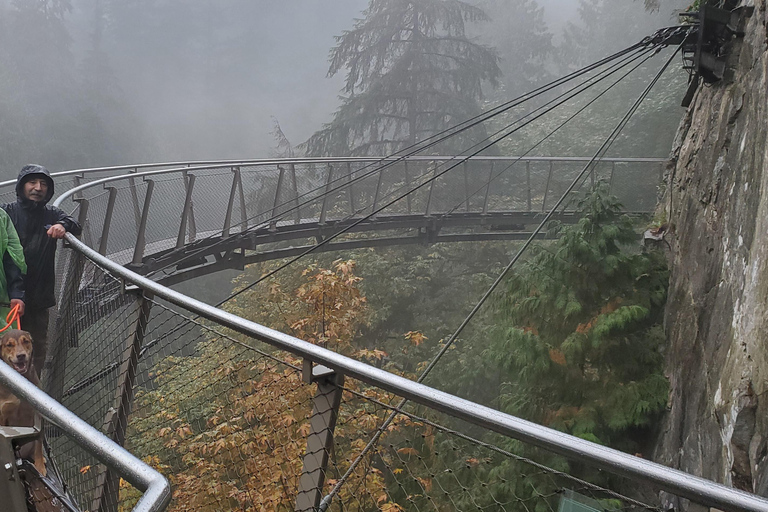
{"x": 705, "y": 50}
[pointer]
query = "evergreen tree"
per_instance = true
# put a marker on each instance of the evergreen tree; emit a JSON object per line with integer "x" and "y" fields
{"x": 578, "y": 333}
{"x": 411, "y": 72}
{"x": 605, "y": 26}
{"x": 521, "y": 36}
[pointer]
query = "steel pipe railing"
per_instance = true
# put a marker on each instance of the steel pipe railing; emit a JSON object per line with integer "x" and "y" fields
{"x": 156, "y": 489}
{"x": 319, "y": 160}
{"x": 674, "y": 481}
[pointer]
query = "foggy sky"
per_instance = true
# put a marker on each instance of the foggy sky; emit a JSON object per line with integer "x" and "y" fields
{"x": 284, "y": 76}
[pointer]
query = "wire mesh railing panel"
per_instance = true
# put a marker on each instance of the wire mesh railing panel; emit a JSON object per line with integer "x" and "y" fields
{"x": 392, "y": 183}
{"x": 425, "y": 460}
{"x": 558, "y": 182}
{"x": 88, "y": 343}
{"x": 450, "y": 190}
{"x": 7, "y": 196}
{"x": 504, "y": 185}
{"x": 271, "y": 196}
{"x": 165, "y": 210}
{"x": 286, "y": 205}
{"x": 418, "y": 172}
{"x": 371, "y": 179}
{"x": 208, "y": 205}
{"x": 226, "y": 421}
{"x": 260, "y": 186}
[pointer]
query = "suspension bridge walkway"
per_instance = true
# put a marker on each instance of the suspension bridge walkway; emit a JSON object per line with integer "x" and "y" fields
{"x": 135, "y": 367}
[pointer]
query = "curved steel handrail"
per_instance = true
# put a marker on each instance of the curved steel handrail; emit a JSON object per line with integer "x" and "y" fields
{"x": 674, "y": 481}
{"x": 212, "y": 164}
{"x": 156, "y": 488}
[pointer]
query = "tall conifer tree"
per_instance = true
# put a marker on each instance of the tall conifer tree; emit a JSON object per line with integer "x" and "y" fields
{"x": 520, "y": 34}
{"x": 411, "y": 72}
{"x": 578, "y": 333}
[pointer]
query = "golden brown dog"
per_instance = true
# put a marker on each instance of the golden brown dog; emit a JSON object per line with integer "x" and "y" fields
{"x": 16, "y": 350}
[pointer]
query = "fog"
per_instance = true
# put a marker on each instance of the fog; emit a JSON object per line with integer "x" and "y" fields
{"x": 108, "y": 82}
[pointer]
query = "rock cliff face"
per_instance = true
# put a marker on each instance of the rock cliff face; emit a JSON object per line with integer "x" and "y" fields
{"x": 716, "y": 204}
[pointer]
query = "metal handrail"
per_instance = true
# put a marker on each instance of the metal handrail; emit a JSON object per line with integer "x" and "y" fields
{"x": 213, "y": 164}
{"x": 671, "y": 480}
{"x": 156, "y": 488}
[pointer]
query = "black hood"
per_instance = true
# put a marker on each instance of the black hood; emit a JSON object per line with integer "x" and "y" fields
{"x": 26, "y": 174}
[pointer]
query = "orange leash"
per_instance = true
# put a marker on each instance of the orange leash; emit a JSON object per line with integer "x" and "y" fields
{"x": 13, "y": 316}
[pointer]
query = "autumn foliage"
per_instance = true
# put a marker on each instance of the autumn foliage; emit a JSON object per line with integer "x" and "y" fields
{"x": 229, "y": 424}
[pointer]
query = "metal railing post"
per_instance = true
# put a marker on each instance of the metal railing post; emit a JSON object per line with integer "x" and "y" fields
{"x": 12, "y": 493}
{"x": 466, "y": 187}
{"x": 190, "y": 185}
{"x": 295, "y": 193}
{"x": 135, "y": 198}
{"x": 407, "y": 185}
{"x": 104, "y": 240}
{"x": 243, "y": 211}
{"x": 141, "y": 242}
{"x": 349, "y": 190}
{"x": 325, "y": 410}
{"x": 231, "y": 203}
{"x": 546, "y": 188}
{"x": 191, "y": 215}
{"x": 427, "y": 210}
{"x": 78, "y": 179}
{"x": 280, "y": 177}
{"x": 488, "y": 190}
{"x": 116, "y": 422}
{"x": 324, "y": 209}
{"x": 378, "y": 190}
{"x": 528, "y": 183}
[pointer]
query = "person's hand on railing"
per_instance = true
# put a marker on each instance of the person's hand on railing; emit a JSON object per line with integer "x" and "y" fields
{"x": 56, "y": 231}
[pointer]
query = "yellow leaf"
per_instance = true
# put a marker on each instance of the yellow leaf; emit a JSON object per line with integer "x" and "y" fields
{"x": 407, "y": 451}
{"x": 85, "y": 469}
{"x": 415, "y": 337}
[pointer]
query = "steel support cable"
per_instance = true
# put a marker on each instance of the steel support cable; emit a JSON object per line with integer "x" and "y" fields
{"x": 416, "y": 148}
{"x": 566, "y": 95}
{"x": 110, "y": 368}
{"x": 326, "y": 501}
{"x": 107, "y": 370}
{"x": 386, "y": 205}
{"x": 570, "y": 118}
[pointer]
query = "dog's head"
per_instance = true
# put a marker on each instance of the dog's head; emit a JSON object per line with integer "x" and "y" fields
{"x": 16, "y": 349}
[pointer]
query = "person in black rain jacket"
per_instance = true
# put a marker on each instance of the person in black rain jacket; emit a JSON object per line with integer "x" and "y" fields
{"x": 39, "y": 226}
